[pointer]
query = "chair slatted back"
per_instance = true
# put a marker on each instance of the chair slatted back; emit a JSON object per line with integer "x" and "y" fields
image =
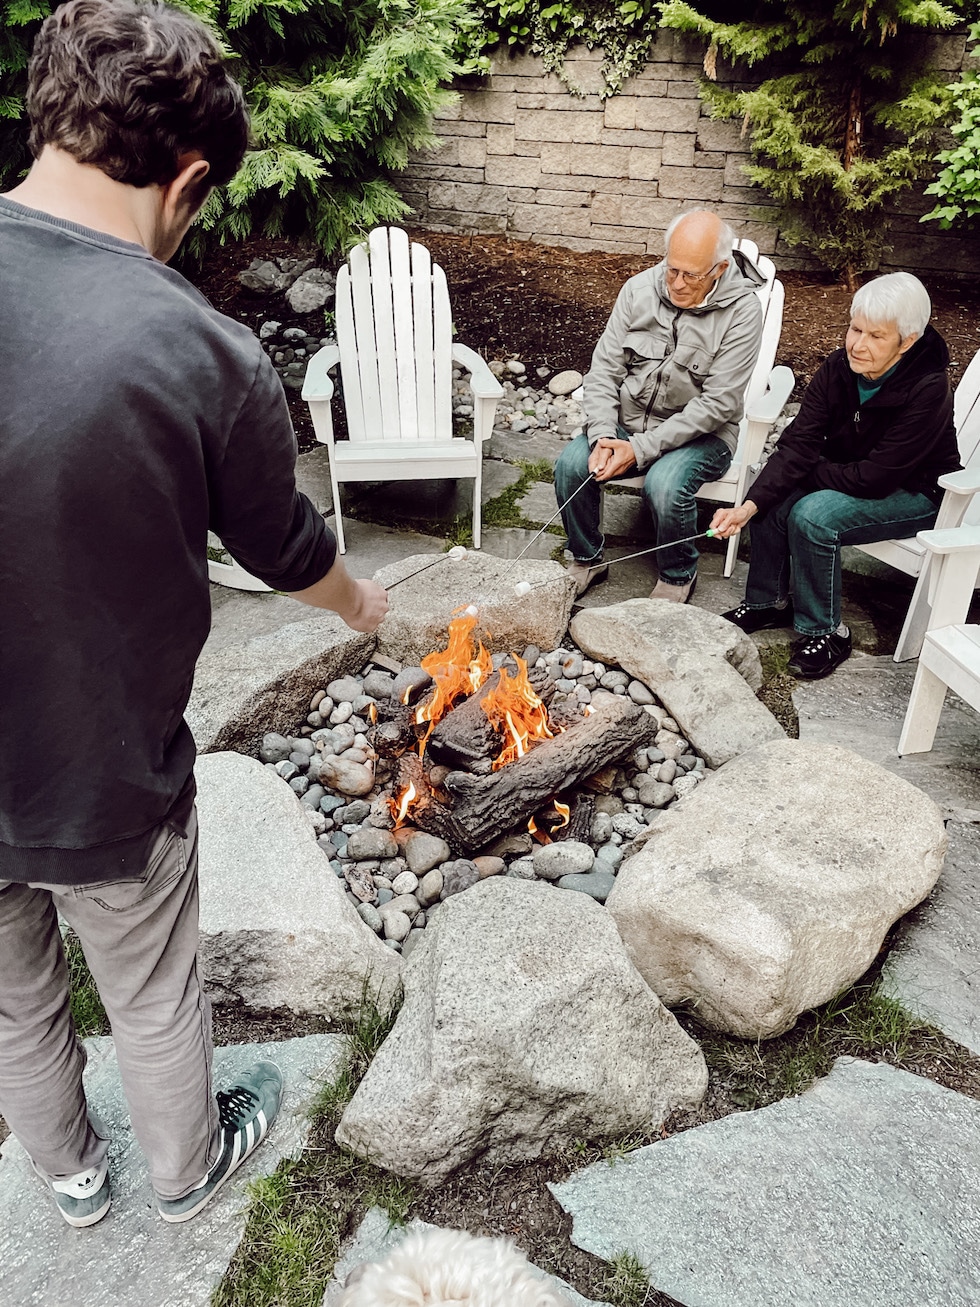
{"x": 771, "y": 296}
{"x": 394, "y": 332}
{"x": 966, "y": 415}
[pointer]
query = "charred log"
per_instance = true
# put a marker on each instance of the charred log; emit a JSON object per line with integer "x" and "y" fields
{"x": 579, "y": 825}
{"x": 465, "y": 737}
{"x": 480, "y": 806}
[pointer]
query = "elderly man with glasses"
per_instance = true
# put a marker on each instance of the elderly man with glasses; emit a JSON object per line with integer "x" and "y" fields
{"x": 664, "y": 397}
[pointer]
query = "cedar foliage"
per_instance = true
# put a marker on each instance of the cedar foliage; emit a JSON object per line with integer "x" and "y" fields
{"x": 847, "y": 118}
{"x": 339, "y": 92}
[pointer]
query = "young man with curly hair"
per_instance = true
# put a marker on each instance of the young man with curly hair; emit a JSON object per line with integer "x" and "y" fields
{"x": 135, "y": 418}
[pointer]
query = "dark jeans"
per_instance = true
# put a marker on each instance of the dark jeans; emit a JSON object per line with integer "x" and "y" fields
{"x": 805, "y": 533}
{"x": 669, "y": 486}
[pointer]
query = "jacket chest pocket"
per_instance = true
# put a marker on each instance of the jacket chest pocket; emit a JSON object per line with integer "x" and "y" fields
{"x": 645, "y": 354}
{"x": 685, "y": 376}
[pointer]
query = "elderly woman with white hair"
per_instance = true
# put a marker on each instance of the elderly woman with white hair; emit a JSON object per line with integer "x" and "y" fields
{"x": 859, "y": 463}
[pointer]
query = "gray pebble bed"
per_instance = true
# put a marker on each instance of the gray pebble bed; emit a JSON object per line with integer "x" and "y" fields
{"x": 396, "y": 878}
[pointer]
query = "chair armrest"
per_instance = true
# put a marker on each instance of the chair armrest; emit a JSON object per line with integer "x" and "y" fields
{"x": 768, "y": 407}
{"x": 966, "y": 482}
{"x": 952, "y": 540}
{"x": 482, "y": 381}
{"x": 317, "y": 383}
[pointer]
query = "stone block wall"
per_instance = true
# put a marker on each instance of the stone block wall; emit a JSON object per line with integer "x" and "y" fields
{"x": 521, "y": 155}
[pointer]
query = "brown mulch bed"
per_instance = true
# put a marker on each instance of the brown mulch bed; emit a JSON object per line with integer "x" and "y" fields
{"x": 548, "y": 306}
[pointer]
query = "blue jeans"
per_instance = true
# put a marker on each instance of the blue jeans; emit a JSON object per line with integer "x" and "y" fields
{"x": 805, "y": 532}
{"x": 669, "y": 488}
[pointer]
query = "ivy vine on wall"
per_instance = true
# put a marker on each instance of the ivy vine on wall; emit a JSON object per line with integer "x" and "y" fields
{"x": 624, "y": 30}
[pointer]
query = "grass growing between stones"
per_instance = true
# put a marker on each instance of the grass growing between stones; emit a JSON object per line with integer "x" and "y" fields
{"x": 627, "y": 1285}
{"x": 300, "y": 1216}
{"x": 861, "y": 1022}
{"x": 87, "y": 1011}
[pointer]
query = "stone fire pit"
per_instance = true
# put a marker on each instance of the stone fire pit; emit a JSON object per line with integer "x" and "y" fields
{"x": 750, "y": 895}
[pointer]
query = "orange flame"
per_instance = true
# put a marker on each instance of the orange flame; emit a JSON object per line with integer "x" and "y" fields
{"x": 564, "y": 812}
{"x": 455, "y": 671}
{"x": 513, "y": 707}
{"x": 401, "y": 806}
{"x": 515, "y": 710}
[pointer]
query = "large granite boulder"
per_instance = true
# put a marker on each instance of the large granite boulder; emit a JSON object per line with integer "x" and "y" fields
{"x": 702, "y": 668}
{"x": 422, "y": 607}
{"x": 524, "y": 1026}
{"x": 771, "y": 887}
{"x": 277, "y": 929}
{"x": 264, "y": 682}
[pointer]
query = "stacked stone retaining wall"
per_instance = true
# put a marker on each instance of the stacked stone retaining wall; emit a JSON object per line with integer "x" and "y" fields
{"x": 521, "y": 155}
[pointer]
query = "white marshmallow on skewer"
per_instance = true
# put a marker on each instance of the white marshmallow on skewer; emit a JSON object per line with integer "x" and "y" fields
{"x": 457, "y": 552}
{"x": 472, "y": 610}
{"x": 522, "y": 588}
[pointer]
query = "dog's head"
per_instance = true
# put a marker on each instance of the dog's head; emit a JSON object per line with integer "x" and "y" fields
{"x": 450, "y": 1268}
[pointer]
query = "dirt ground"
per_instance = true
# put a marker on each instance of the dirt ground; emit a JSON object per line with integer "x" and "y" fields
{"x": 547, "y": 306}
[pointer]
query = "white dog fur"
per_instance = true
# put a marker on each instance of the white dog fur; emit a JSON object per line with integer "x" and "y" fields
{"x": 449, "y": 1268}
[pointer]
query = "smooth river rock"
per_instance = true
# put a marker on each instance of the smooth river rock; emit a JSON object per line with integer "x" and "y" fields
{"x": 530, "y": 990}
{"x": 772, "y": 887}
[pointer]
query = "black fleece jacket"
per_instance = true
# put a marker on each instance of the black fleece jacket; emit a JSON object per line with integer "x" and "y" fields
{"x": 901, "y": 439}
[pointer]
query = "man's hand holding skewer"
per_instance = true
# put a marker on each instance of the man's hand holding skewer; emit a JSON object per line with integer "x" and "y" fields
{"x": 611, "y": 458}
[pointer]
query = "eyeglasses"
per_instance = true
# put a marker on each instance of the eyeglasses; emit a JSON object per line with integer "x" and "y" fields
{"x": 690, "y": 278}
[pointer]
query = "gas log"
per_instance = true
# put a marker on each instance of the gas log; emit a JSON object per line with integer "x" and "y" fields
{"x": 470, "y": 810}
{"x": 465, "y": 737}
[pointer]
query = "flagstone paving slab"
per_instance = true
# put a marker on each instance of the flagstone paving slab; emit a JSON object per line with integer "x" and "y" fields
{"x": 862, "y": 707}
{"x": 376, "y": 1236}
{"x": 863, "y": 1191}
{"x": 933, "y": 969}
{"x": 132, "y": 1256}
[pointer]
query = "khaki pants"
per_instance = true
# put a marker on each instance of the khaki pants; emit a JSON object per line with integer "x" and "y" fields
{"x": 140, "y": 940}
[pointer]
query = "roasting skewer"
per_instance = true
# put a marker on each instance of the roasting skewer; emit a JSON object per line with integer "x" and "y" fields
{"x": 525, "y": 587}
{"x": 456, "y": 553}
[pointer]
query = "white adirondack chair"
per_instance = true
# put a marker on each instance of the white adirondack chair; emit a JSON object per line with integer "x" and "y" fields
{"x": 960, "y": 507}
{"x": 765, "y": 398}
{"x": 950, "y": 656}
{"x": 396, "y": 355}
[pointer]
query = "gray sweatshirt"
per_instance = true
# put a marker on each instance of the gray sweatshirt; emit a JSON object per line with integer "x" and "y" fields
{"x": 668, "y": 375}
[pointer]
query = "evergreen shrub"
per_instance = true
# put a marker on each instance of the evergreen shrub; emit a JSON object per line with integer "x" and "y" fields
{"x": 339, "y": 92}
{"x": 847, "y": 119}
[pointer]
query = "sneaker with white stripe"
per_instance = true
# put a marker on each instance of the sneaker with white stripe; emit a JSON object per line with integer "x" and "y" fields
{"x": 245, "y": 1112}
{"x": 82, "y": 1199}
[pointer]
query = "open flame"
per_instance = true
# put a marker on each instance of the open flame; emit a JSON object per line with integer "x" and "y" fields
{"x": 401, "y": 806}
{"x": 512, "y": 707}
{"x": 517, "y": 713}
{"x": 457, "y": 670}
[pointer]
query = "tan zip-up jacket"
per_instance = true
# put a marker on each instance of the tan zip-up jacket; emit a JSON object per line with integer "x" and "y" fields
{"x": 669, "y": 375}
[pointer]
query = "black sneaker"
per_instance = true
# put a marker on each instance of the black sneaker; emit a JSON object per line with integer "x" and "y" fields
{"x": 759, "y": 619}
{"x": 82, "y": 1199}
{"x": 819, "y": 655}
{"x": 245, "y": 1112}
